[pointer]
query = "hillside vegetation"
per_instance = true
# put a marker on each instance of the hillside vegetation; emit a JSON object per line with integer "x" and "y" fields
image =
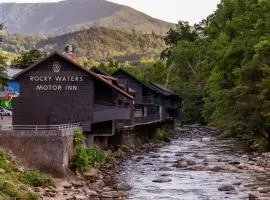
{"x": 94, "y": 43}
{"x": 74, "y": 15}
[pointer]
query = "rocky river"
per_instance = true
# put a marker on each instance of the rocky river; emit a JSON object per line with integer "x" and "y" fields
{"x": 194, "y": 165}
{"x": 197, "y": 166}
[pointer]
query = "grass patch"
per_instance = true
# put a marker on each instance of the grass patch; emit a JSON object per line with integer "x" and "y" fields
{"x": 37, "y": 179}
{"x": 12, "y": 184}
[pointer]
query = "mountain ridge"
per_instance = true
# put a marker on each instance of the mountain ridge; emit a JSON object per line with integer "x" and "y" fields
{"x": 57, "y": 18}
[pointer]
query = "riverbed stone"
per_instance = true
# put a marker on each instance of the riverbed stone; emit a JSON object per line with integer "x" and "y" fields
{"x": 162, "y": 180}
{"x": 264, "y": 190}
{"x": 80, "y": 197}
{"x": 226, "y": 187}
{"x": 123, "y": 187}
{"x": 165, "y": 174}
{"x": 92, "y": 193}
{"x": 77, "y": 184}
{"x": 252, "y": 196}
{"x": 91, "y": 173}
{"x": 182, "y": 164}
{"x": 191, "y": 162}
{"x": 179, "y": 154}
{"x": 164, "y": 168}
{"x": 66, "y": 185}
{"x": 198, "y": 167}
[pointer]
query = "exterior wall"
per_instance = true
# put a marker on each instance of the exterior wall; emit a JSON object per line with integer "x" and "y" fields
{"x": 103, "y": 95}
{"x": 49, "y": 151}
{"x": 130, "y": 82}
{"x": 68, "y": 100}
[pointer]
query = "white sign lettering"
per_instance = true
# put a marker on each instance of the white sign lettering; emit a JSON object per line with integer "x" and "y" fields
{"x": 56, "y": 79}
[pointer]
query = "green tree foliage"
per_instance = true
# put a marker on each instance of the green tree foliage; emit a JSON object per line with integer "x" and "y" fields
{"x": 28, "y": 58}
{"x": 221, "y": 67}
{"x": 2, "y": 61}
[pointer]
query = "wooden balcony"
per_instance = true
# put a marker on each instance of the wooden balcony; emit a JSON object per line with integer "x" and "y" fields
{"x": 102, "y": 114}
{"x": 147, "y": 119}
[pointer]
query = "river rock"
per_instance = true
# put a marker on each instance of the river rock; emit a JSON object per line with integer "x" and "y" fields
{"x": 77, "y": 184}
{"x": 232, "y": 192}
{"x": 107, "y": 189}
{"x": 92, "y": 193}
{"x": 66, "y": 185}
{"x": 154, "y": 156}
{"x": 91, "y": 173}
{"x": 264, "y": 190}
{"x": 164, "y": 168}
{"x": 252, "y": 196}
{"x": 107, "y": 195}
{"x": 179, "y": 154}
{"x": 226, "y": 188}
{"x": 182, "y": 164}
{"x": 234, "y": 163}
{"x": 147, "y": 163}
{"x": 99, "y": 184}
{"x": 80, "y": 197}
{"x": 165, "y": 174}
{"x": 191, "y": 162}
{"x": 162, "y": 180}
{"x": 123, "y": 187}
{"x": 166, "y": 139}
{"x": 198, "y": 167}
{"x": 2, "y": 171}
{"x": 217, "y": 168}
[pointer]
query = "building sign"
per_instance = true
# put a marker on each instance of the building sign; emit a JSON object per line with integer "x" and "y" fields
{"x": 57, "y": 82}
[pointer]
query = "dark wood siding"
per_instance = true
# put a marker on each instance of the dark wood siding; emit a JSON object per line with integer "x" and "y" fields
{"x": 133, "y": 84}
{"x": 53, "y": 101}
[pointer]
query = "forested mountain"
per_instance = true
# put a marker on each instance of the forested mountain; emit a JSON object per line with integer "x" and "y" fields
{"x": 96, "y": 43}
{"x": 73, "y": 15}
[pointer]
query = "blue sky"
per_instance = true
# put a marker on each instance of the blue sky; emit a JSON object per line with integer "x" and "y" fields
{"x": 168, "y": 10}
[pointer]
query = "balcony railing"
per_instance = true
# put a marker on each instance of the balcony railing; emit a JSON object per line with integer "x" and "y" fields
{"x": 111, "y": 113}
{"x": 147, "y": 119}
{"x": 41, "y": 127}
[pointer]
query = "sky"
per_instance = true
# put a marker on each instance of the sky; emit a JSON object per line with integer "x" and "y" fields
{"x": 192, "y": 11}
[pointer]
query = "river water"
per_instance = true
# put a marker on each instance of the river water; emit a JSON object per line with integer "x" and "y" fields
{"x": 186, "y": 183}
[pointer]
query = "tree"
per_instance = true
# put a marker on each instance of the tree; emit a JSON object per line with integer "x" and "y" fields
{"x": 2, "y": 63}
{"x": 28, "y": 58}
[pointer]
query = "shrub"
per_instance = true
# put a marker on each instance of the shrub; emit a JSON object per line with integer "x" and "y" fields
{"x": 119, "y": 153}
{"x": 8, "y": 188}
{"x": 109, "y": 157}
{"x": 80, "y": 159}
{"x": 161, "y": 134}
{"x": 95, "y": 155}
{"x": 88, "y": 156}
{"x": 5, "y": 163}
{"x": 37, "y": 179}
{"x": 262, "y": 144}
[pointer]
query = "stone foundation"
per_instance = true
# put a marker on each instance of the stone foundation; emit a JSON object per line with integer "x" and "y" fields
{"x": 47, "y": 150}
